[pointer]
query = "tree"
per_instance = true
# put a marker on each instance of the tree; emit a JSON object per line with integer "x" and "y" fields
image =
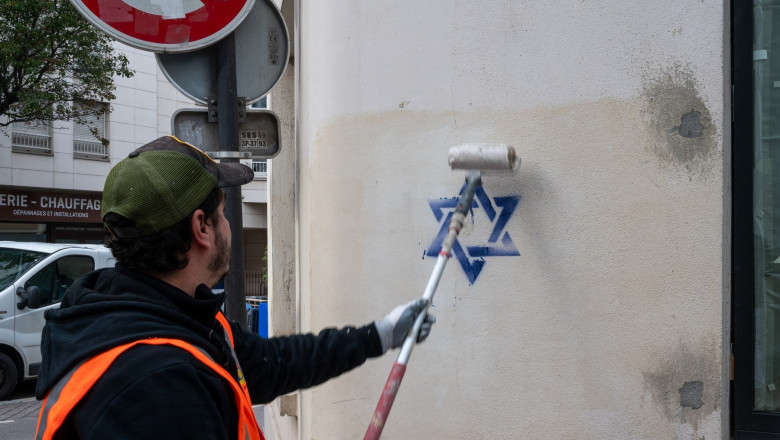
{"x": 51, "y": 57}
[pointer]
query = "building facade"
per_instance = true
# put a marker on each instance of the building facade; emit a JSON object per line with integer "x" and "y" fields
{"x": 52, "y": 175}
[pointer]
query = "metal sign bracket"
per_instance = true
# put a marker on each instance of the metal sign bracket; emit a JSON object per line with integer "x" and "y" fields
{"x": 212, "y": 108}
{"x": 229, "y": 154}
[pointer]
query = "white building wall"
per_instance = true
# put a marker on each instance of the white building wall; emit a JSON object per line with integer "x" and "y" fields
{"x": 610, "y": 323}
{"x": 133, "y": 121}
{"x": 140, "y": 113}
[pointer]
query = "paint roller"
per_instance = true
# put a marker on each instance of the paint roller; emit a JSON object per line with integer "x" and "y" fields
{"x": 483, "y": 157}
{"x": 476, "y": 159}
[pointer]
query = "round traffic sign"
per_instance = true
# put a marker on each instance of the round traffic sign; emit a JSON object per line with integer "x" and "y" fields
{"x": 262, "y": 52}
{"x": 165, "y": 26}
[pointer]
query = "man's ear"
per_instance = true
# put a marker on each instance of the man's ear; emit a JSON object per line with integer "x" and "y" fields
{"x": 200, "y": 228}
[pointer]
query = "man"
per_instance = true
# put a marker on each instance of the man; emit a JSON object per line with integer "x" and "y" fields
{"x": 142, "y": 351}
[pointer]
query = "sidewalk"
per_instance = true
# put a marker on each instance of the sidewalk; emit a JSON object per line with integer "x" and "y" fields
{"x": 14, "y": 410}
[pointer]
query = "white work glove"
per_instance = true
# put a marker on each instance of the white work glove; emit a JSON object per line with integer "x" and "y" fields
{"x": 394, "y": 328}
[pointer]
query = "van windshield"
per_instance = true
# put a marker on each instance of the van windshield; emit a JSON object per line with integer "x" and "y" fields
{"x": 15, "y": 262}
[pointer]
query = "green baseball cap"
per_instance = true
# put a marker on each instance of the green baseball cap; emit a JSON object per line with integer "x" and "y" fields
{"x": 162, "y": 182}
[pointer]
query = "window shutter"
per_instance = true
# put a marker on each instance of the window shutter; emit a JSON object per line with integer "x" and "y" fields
{"x": 81, "y": 131}
{"x": 33, "y": 127}
{"x": 85, "y": 144}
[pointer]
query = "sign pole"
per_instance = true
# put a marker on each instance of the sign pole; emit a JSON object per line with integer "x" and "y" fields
{"x": 227, "y": 123}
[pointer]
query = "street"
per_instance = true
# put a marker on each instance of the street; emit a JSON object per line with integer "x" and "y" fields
{"x": 19, "y": 414}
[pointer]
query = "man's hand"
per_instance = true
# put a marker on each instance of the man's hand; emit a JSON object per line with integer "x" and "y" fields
{"x": 394, "y": 328}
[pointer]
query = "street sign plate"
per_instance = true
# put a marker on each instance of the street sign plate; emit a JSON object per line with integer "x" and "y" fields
{"x": 262, "y": 51}
{"x": 253, "y": 139}
{"x": 258, "y": 132}
{"x": 167, "y": 25}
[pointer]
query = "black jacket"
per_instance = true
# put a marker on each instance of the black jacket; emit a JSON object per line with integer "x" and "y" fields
{"x": 162, "y": 391}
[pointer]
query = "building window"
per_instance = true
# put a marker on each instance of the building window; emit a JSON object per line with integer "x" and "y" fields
{"x": 88, "y": 135}
{"x": 261, "y": 103}
{"x": 23, "y": 231}
{"x": 31, "y": 137}
{"x": 260, "y": 167}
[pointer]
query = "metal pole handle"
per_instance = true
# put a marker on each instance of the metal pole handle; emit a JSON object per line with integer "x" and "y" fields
{"x": 374, "y": 431}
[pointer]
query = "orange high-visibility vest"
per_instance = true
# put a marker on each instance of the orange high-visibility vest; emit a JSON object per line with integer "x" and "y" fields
{"x": 75, "y": 385}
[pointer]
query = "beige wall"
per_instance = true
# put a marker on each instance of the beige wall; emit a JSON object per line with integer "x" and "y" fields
{"x": 616, "y": 302}
{"x": 281, "y": 420}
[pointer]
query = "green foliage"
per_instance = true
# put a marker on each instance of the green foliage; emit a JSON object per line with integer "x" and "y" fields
{"x": 50, "y": 56}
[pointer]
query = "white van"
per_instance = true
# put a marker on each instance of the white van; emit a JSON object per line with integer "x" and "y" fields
{"x": 33, "y": 279}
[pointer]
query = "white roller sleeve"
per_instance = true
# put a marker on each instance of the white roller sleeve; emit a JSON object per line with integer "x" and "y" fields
{"x": 483, "y": 157}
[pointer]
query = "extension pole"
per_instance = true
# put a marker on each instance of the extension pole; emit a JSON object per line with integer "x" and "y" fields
{"x": 473, "y": 180}
{"x": 227, "y": 126}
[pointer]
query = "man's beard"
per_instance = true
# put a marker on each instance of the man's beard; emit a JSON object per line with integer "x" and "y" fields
{"x": 220, "y": 264}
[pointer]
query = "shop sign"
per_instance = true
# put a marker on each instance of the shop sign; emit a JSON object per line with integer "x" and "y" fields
{"x": 49, "y": 206}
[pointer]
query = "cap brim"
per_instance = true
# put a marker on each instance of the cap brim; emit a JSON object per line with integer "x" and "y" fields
{"x": 228, "y": 174}
{"x": 234, "y": 174}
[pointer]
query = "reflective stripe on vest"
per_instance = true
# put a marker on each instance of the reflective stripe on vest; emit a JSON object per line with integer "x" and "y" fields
{"x": 75, "y": 385}
{"x": 229, "y": 336}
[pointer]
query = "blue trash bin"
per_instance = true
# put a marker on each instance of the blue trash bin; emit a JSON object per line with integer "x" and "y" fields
{"x": 262, "y": 319}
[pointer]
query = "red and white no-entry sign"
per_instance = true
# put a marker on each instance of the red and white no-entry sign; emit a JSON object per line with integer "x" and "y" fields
{"x": 165, "y": 25}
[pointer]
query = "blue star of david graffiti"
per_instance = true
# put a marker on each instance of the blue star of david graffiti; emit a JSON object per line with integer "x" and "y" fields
{"x": 472, "y": 259}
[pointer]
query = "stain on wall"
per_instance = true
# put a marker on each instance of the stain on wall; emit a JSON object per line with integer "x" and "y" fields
{"x": 685, "y": 384}
{"x": 679, "y": 123}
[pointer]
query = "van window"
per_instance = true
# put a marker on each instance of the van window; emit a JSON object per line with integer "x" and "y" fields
{"x": 15, "y": 262}
{"x": 55, "y": 279}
